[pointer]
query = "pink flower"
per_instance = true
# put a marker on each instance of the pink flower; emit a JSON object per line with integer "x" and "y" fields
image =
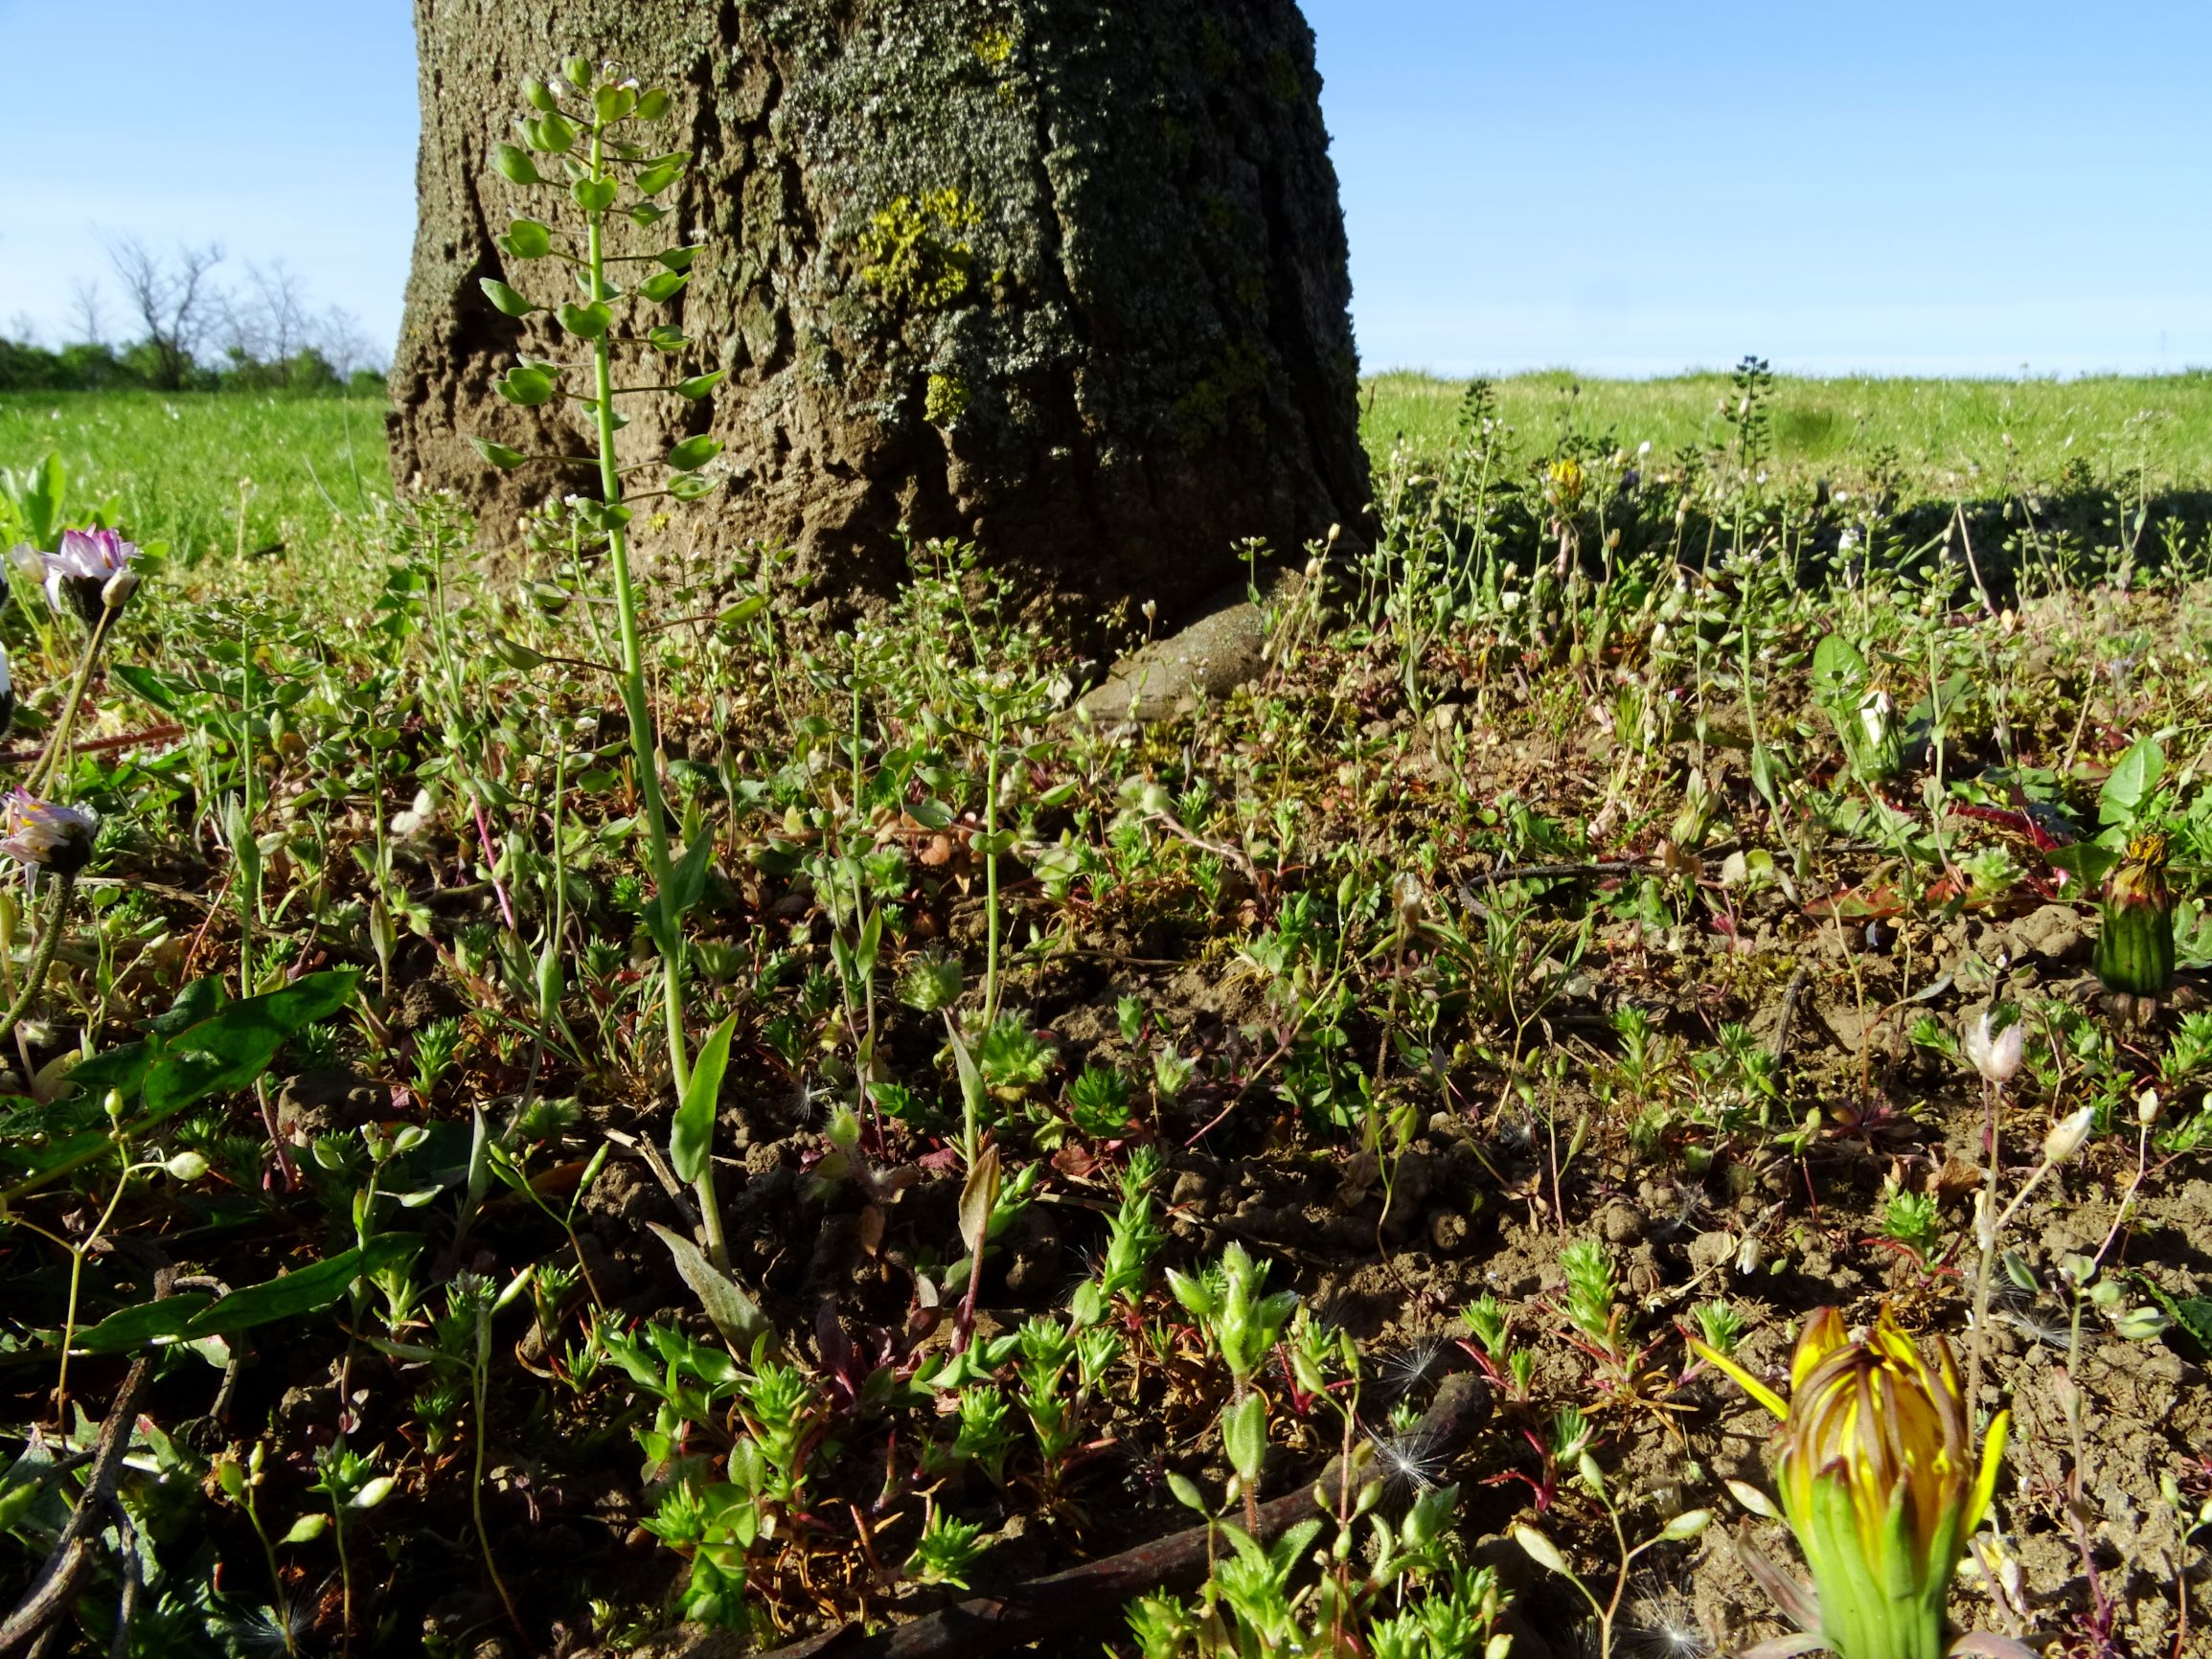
{"x": 46, "y": 835}
{"x": 91, "y": 573}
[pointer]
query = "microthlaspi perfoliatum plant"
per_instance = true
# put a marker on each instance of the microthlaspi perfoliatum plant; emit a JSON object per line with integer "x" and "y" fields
{"x": 585, "y": 137}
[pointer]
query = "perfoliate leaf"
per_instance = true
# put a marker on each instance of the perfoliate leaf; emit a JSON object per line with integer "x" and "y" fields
{"x": 694, "y": 453}
{"x": 504, "y": 299}
{"x": 691, "y": 1137}
{"x": 498, "y": 454}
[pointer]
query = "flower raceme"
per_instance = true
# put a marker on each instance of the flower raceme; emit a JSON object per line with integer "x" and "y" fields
{"x": 1878, "y": 1480}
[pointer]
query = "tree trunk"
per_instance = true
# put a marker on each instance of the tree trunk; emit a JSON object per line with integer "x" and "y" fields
{"x": 1063, "y": 278}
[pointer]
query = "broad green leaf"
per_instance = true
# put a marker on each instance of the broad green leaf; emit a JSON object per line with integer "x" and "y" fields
{"x": 666, "y": 337}
{"x": 688, "y": 881}
{"x": 658, "y": 177}
{"x": 154, "y": 688}
{"x": 694, "y": 453}
{"x": 304, "y": 1291}
{"x": 1839, "y": 673}
{"x": 734, "y": 1313}
{"x": 2088, "y": 862}
{"x": 148, "y": 1322}
{"x": 2133, "y": 781}
{"x": 679, "y": 258}
{"x": 691, "y": 1138}
{"x": 699, "y": 385}
{"x": 236, "y": 1046}
{"x": 654, "y": 104}
{"x": 498, "y": 454}
{"x": 662, "y": 285}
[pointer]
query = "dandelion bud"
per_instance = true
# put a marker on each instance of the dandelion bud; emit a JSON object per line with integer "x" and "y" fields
{"x": 1879, "y": 1479}
{"x": 2135, "y": 955}
{"x": 2067, "y": 1135}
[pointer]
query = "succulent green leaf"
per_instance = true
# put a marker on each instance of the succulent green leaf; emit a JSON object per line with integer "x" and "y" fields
{"x": 504, "y": 299}
{"x": 513, "y": 163}
{"x": 678, "y": 259}
{"x": 694, "y": 453}
{"x": 528, "y": 387}
{"x": 662, "y": 285}
{"x": 498, "y": 454}
{"x": 699, "y": 385}
{"x": 658, "y": 177}
{"x": 666, "y": 337}
{"x": 691, "y": 485}
{"x": 613, "y": 103}
{"x": 538, "y": 95}
{"x": 594, "y": 195}
{"x": 528, "y": 240}
{"x": 648, "y": 214}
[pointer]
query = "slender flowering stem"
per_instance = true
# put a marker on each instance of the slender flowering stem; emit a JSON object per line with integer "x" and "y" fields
{"x": 42, "y": 962}
{"x": 643, "y": 745}
{"x": 59, "y": 743}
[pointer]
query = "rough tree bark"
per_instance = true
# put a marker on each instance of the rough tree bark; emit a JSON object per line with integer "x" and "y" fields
{"x": 1064, "y": 278}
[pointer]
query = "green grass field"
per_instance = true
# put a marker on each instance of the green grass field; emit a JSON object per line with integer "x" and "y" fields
{"x": 174, "y": 467}
{"x": 1939, "y": 429}
{"x": 181, "y": 467}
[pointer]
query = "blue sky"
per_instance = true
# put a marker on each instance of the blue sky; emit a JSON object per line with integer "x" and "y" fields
{"x": 1947, "y": 187}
